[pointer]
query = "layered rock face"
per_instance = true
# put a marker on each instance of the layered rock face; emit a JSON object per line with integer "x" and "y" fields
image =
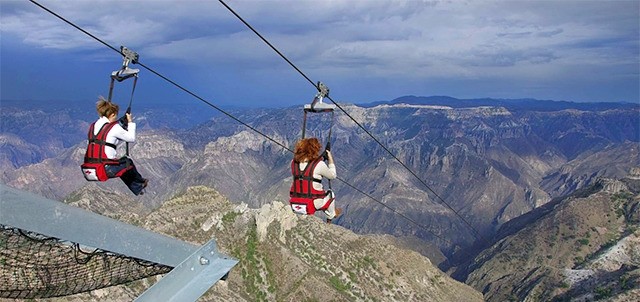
{"x": 478, "y": 166}
{"x": 505, "y": 170}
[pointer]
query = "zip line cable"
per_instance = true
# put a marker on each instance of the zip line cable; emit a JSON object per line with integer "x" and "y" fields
{"x": 394, "y": 211}
{"x": 354, "y": 120}
{"x": 411, "y": 220}
{"x": 238, "y": 120}
{"x": 163, "y": 77}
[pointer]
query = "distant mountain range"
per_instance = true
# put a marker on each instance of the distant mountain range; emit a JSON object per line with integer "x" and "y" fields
{"x": 510, "y": 104}
{"x": 482, "y": 164}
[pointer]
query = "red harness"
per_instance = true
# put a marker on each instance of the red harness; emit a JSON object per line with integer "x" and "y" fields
{"x": 302, "y": 194}
{"x": 96, "y": 158}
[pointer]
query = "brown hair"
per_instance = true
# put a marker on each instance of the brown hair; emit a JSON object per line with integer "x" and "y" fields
{"x": 106, "y": 108}
{"x": 306, "y": 150}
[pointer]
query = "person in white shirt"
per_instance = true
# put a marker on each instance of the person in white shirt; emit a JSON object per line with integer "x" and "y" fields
{"x": 307, "y": 193}
{"x": 122, "y": 167}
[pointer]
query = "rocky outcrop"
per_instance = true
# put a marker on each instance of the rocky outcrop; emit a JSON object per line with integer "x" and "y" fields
{"x": 303, "y": 258}
{"x": 286, "y": 257}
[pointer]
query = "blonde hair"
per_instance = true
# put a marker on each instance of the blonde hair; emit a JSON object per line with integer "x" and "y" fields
{"x": 106, "y": 108}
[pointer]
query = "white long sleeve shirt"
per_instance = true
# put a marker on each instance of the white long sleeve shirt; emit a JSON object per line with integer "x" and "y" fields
{"x": 115, "y": 135}
{"x": 321, "y": 170}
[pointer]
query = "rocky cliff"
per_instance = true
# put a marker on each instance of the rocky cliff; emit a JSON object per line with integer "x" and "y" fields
{"x": 585, "y": 247}
{"x": 286, "y": 257}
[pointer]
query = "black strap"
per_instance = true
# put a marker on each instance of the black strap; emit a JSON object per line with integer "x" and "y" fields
{"x": 135, "y": 82}
{"x": 311, "y": 178}
{"x": 123, "y": 119}
{"x": 89, "y": 160}
{"x": 310, "y": 196}
{"x": 111, "y": 84}
{"x": 97, "y": 141}
{"x": 328, "y": 146}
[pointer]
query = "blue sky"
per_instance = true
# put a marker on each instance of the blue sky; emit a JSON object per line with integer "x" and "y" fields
{"x": 365, "y": 51}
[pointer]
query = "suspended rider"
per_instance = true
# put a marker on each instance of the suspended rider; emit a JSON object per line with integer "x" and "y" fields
{"x": 308, "y": 168}
{"x": 101, "y": 161}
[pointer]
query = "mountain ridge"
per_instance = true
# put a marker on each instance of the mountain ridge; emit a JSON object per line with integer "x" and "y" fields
{"x": 491, "y": 164}
{"x": 511, "y": 104}
{"x": 488, "y": 163}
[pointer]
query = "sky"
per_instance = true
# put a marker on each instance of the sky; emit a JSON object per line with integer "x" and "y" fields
{"x": 364, "y": 51}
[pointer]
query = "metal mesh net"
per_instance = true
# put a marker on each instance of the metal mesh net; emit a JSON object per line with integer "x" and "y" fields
{"x": 36, "y": 266}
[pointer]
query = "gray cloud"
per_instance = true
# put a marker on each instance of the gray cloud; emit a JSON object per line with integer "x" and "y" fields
{"x": 417, "y": 40}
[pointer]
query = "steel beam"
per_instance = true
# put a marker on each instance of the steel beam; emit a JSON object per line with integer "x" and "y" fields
{"x": 192, "y": 278}
{"x": 56, "y": 219}
{"x": 195, "y": 269}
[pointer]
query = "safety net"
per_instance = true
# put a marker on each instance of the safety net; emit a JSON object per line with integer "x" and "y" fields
{"x": 36, "y": 266}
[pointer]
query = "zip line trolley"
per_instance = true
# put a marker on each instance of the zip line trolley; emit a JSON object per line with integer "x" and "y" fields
{"x": 317, "y": 106}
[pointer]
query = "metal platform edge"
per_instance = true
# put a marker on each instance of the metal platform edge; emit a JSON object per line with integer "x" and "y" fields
{"x": 192, "y": 278}
{"x": 31, "y": 212}
{"x": 195, "y": 269}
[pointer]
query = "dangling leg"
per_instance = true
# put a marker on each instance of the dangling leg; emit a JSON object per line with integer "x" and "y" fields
{"x": 132, "y": 178}
{"x": 328, "y": 206}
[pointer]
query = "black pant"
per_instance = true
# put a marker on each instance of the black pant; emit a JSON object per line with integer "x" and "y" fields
{"x": 130, "y": 177}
